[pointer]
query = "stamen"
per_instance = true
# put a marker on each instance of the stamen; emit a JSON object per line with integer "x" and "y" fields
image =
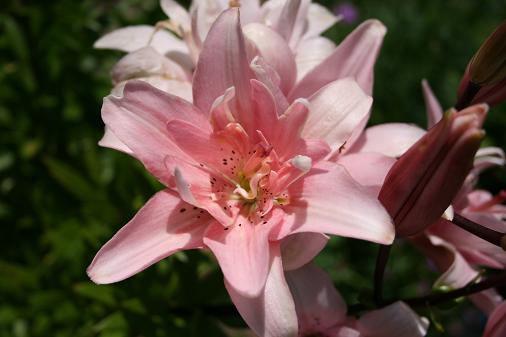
{"x": 234, "y": 3}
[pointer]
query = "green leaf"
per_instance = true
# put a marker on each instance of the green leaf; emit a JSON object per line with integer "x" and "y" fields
{"x": 70, "y": 179}
{"x": 101, "y": 293}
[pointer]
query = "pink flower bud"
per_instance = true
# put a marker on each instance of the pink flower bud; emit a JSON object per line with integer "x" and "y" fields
{"x": 423, "y": 182}
{"x": 485, "y": 78}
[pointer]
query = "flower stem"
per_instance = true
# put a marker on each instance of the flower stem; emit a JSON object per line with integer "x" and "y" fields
{"x": 437, "y": 298}
{"x": 487, "y": 234}
{"x": 379, "y": 272}
{"x": 468, "y": 95}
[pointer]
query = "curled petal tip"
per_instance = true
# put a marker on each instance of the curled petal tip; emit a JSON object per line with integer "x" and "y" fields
{"x": 377, "y": 28}
{"x": 302, "y": 101}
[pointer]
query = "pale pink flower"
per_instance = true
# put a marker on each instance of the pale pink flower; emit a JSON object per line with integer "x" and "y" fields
{"x": 241, "y": 173}
{"x": 321, "y": 311}
{"x": 290, "y": 26}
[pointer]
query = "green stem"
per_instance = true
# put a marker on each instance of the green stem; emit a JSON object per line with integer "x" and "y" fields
{"x": 437, "y": 298}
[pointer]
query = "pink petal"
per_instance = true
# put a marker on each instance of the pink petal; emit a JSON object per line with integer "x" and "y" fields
{"x": 146, "y": 62}
{"x": 310, "y": 53}
{"x": 354, "y": 57}
{"x": 319, "y": 19}
{"x": 486, "y": 300}
{"x": 335, "y": 111}
{"x": 496, "y": 325}
{"x": 270, "y": 78}
{"x": 390, "y": 139}
{"x": 203, "y": 147}
{"x": 476, "y": 250}
{"x": 111, "y": 141}
{"x": 332, "y": 202}
{"x": 291, "y": 22}
{"x": 177, "y": 13}
{"x": 250, "y": 11}
{"x": 367, "y": 168}
{"x": 287, "y": 140}
{"x": 196, "y": 186}
{"x": 319, "y": 306}
{"x": 265, "y": 115}
{"x": 272, "y": 312}
{"x": 397, "y": 319}
{"x": 223, "y": 64}
{"x": 204, "y": 14}
{"x": 163, "y": 226}
{"x": 457, "y": 272}
{"x": 177, "y": 88}
{"x": 487, "y": 157}
{"x": 138, "y": 119}
{"x": 300, "y": 248}
{"x": 242, "y": 251}
{"x": 434, "y": 110}
{"x": 275, "y": 51}
{"x": 132, "y": 38}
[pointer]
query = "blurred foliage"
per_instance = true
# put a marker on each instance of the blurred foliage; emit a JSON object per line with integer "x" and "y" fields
{"x": 62, "y": 197}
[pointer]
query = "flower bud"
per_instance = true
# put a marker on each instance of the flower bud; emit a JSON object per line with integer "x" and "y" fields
{"x": 423, "y": 182}
{"x": 485, "y": 78}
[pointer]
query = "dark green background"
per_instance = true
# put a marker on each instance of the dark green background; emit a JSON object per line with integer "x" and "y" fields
{"x": 62, "y": 196}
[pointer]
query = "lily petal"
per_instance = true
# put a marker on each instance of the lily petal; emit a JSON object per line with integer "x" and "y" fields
{"x": 367, "y": 168}
{"x": 146, "y": 62}
{"x": 354, "y": 57}
{"x": 223, "y": 64}
{"x": 177, "y": 13}
{"x": 275, "y": 51}
{"x": 319, "y": 19}
{"x": 163, "y": 226}
{"x": 331, "y": 202}
{"x": 397, "y": 319}
{"x": 335, "y": 111}
{"x": 434, "y": 110}
{"x": 242, "y": 251}
{"x": 300, "y": 248}
{"x": 390, "y": 139}
{"x": 496, "y": 326}
{"x": 310, "y": 53}
{"x": 110, "y": 140}
{"x": 132, "y": 38}
{"x": 272, "y": 312}
{"x": 319, "y": 306}
{"x": 138, "y": 119}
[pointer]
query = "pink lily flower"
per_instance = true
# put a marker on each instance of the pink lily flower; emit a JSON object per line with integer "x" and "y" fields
{"x": 496, "y": 324}
{"x": 321, "y": 311}
{"x": 241, "y": 175}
